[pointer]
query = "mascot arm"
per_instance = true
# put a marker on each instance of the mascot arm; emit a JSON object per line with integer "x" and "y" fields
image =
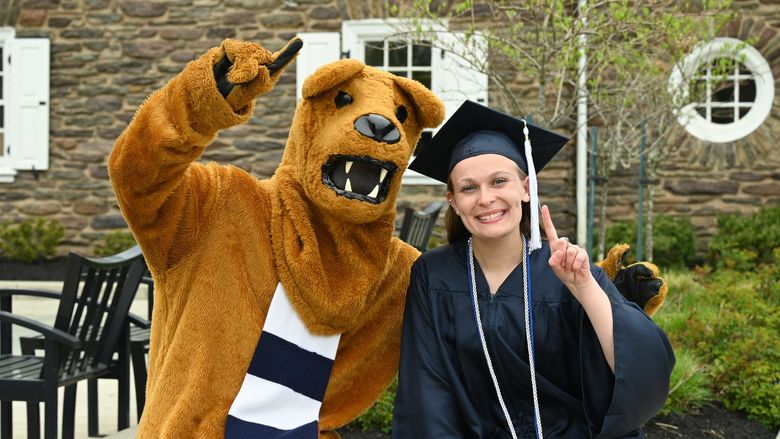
{"x": 163, "y": 194}
{"x": 637, "y": 282}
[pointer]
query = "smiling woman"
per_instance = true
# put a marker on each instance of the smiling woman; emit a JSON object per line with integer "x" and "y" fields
{"x": 483, "y": 311}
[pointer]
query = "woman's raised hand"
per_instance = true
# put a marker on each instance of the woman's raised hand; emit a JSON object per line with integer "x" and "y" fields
{"x": 568, "y": 261}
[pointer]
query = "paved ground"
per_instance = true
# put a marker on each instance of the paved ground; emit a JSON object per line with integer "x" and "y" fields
{"x": 44, "y": 310}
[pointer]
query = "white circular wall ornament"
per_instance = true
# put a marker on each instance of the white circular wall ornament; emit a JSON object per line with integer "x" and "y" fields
{"x": 702, "y": 126}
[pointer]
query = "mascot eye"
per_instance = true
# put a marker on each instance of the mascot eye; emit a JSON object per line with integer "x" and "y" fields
{"x": 342, "y": 99}
{"x": 401, "y": 114}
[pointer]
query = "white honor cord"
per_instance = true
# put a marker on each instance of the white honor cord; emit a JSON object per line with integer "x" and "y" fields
{"x": 531, "y": 361}
{"x": 529, "y": 341}
{"x": 484, "y": 343}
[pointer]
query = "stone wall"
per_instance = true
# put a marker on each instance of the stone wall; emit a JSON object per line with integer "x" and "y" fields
{"x": 701, "y": 180}
{"x": 107, "y": 56}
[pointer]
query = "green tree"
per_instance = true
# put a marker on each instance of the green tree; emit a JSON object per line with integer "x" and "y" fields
{"x": 631, "y": 48}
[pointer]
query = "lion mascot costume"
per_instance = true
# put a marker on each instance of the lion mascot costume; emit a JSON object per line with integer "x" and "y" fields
{"x": 279, "y": 302}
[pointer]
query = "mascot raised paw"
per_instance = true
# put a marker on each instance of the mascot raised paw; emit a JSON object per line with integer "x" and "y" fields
{"x": 279, "y": 301}
{"x": 638, "y": 282}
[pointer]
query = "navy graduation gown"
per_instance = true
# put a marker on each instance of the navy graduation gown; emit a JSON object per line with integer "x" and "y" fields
{"x": 445, "y": 389}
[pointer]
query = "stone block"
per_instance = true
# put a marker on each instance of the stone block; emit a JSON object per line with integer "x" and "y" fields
{"x": 255, "y": 145}
{"x": 282, "y": 20}
{"x": 143, "y": 9}
{"x": 766, "y": 189}
{"x": 109, "y": 221}
{"x": 746, "y": 176}
{"x": 186, "y": 33}
{"x": 239, "y": 18}
{"x": 59, "y": 22}
{"x": 147, "y": 50}
{"x": 48, "y": 207}
{"x": 90, "y": 207}
{"x": 82, "y": 34}
{"x": 32, "y": 17}
{"x": 324, "y": 13}
{"x": 255, "y": 5}
{"x": 692, "y": 187}
{"x": 221, "y": 32}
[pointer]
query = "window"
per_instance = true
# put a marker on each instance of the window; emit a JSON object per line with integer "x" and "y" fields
{"x": 6, "y": 172}
{"x": 24, "y": 104}
{"x": 384, "y": 44}
{"x": 726, "y": 88}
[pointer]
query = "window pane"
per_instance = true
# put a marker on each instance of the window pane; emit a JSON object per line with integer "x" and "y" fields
{"x": 375, "y": 53}
{"x": 401, "y": 73}
{"x": 2, "y": 116}
{"x": 747, "y": 90}
{"x": 1, "y": 59}
{"x": 743, "y": 111}
{"x": 723, "y": 91}
{"x": 702, "y": 111}
{"x": 397, "y": 53}
{"x": 421, "y": 55}
{"x": 723, "y": 115}
{"x": 423, "y": 77}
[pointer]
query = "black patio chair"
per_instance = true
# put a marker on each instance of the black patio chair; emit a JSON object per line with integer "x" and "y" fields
{"x": 90, "y": 327}
{"x": 417, "y": 226}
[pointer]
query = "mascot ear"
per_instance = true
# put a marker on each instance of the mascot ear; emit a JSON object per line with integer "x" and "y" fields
{"x": 429, "y": 108}
{"x": 329, "y": 76}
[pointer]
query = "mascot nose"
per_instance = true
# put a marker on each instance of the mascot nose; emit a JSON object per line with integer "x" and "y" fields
{"x": 377, "y": 127}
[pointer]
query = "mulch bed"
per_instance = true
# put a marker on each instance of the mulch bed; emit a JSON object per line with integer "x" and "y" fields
{"x": 712, "y": 422}
{"x": 53, "y": 269}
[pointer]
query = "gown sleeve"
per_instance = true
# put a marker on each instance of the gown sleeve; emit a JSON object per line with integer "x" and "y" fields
{"x": 425, "y": 405}
{"x": 616, "y": 405}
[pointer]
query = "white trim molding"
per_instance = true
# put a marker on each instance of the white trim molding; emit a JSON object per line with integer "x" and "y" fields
{"x": 760, "y": 74}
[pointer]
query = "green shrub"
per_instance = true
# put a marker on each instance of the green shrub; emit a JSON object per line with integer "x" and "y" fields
{"x": 674, "y": 244}
{"x": 743, "y": 241}
{"x": 33, "y": 239}
{"x": 731, "y": 320}
{"x": 114, "y": 242}
{"x": 689, "y": 385}
{"x": 380, "y": 416}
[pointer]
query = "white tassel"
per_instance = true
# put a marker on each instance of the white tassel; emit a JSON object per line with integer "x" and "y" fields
{"x": 536, "y": 239}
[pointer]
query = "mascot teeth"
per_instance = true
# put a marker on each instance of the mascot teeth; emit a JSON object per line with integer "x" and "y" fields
{"x": 359, "y": 177}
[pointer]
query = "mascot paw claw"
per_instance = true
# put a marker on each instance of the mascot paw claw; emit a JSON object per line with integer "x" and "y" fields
{"x": 637, "y": 282}
{"x": 243, "y": 71}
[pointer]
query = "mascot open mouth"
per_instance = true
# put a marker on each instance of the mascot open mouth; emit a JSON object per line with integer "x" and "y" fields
{"x": 359, "y": 177}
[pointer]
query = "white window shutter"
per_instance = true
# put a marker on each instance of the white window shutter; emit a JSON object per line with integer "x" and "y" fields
{"x": 28, "y": 109}
{"x": 455, "y": 79}
{"x": 319, "y": 48}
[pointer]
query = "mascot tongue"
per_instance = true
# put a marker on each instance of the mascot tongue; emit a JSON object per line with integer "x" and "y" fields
{"x": 324, "y": 264}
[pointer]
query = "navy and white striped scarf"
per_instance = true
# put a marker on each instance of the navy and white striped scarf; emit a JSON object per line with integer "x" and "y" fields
{"x": 283, "y": 389}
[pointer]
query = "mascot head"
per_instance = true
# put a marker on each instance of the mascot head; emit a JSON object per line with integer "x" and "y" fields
{"x": 352, "y": 136}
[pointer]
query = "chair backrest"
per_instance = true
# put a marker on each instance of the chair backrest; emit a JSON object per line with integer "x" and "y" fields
{"x": 96, "y": 298}
{"x": 417, "y": 225}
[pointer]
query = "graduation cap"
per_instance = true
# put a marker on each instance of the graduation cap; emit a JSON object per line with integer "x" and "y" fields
{"x": 474, "y": 130}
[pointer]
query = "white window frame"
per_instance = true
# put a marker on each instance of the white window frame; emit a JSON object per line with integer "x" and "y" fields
{"x": 7, "y": 173}
{"x": 761, "y": 73}
{"x": 354, "y": 34}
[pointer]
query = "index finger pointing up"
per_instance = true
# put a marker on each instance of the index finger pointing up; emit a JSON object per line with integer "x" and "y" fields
{"x": 549, "y": 228}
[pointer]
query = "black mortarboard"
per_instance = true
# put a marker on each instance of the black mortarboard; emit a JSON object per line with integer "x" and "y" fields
{"x": 475, "y": 129}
